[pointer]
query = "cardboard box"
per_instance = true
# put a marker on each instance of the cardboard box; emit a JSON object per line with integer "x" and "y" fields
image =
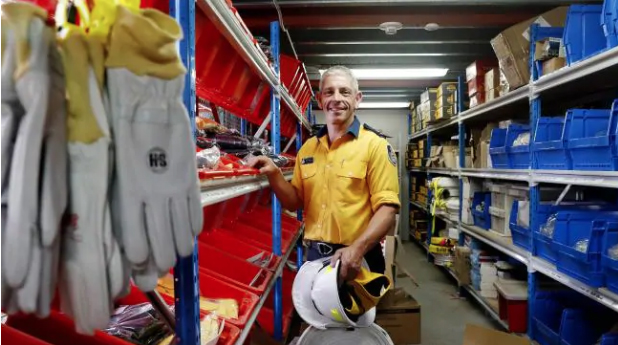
{"x": 478, "y": 69}
{"x": 421, "y": 144}
{"x": 390, "y": 253}
{"x": 477, "y": 99}
{"x": 462, "y": 265}
{"x": 476, "y": 85}
{"x": 491, "y": 94}
{"x": 446, "y": 112}
{"x": 547, "y": 49}
{"x": 429, "y": 95}
{"x": 553, "y": 65}
{"x": 446, "y": 95}
{"x": 400, "y": 316}
{"x": 492, "y": 79}
{"x": 512, "y": 46}
{"x": 423, "y": 190}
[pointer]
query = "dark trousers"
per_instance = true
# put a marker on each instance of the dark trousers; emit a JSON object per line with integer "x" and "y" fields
{"x": 374, "y": 257}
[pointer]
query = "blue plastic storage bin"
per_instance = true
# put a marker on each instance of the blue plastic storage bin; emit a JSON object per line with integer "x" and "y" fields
{"x": 609, "y": 22}
{"x": 590, "y": 142}
{"x": 482, "y": 219}
{"x": 609, "y": 339}
{"x": 521, "y": 236}
{"x": 547, "y": 317}
{"x": 549, "y": 146}
{"x": 583, "y": 35}
{"x": 497, "y": 149}
{"x": 519, "y": 156}
{"x": 610, "y": 266}
{"x": 575, "y": 226}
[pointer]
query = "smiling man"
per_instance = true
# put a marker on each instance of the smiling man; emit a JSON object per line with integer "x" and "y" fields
{"x": 345, "y": 178}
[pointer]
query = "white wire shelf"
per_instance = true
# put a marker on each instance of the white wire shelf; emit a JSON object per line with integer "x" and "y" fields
{"x": 222, "y": 16}
{"x": 218, "y": 190}
{"x": 249, "y": 325}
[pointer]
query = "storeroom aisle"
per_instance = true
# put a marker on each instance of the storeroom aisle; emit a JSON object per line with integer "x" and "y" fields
{"x": 443, "y": 315}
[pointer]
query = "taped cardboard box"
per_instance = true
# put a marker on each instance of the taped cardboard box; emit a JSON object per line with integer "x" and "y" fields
{"x": 512, "y": 46}
{"x": 400, "y": 316}
{"x": 429, "y": 95}
{"x": 446, "y": 112}
{"x": 462, "y": 265}
{"x": 553, "y": 65}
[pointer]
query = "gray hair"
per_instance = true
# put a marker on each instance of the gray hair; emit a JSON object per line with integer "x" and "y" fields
{"x": 340, "y": 70}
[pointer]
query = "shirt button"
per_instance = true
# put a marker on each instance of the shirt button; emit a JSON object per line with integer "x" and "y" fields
{"x": 323, "y": 205}
{"x": 350, "y": 173}
{"x": 328, "y": 166}
{"x": 319, "y": 226}
{"x": 304, "y": 175}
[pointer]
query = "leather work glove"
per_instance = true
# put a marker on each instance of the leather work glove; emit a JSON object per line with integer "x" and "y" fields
{"x": 36, "y": 291}
{"x": 27, "y": 56}
{"x": 156, "y": 184}
{"x": 91, "y": 263}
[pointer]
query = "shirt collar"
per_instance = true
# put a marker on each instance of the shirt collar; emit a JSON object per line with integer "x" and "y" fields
{"x": 354, "y": 129}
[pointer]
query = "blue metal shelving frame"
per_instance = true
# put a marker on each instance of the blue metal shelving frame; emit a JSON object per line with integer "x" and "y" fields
{"x": 533, "y": 176}
{"x": 186, "y": 278}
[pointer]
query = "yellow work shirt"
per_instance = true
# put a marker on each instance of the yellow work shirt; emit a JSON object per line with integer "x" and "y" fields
{"x": 344, "y": 183}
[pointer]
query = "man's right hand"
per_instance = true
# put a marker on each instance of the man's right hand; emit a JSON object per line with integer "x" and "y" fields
{"x": 265, "y": 164}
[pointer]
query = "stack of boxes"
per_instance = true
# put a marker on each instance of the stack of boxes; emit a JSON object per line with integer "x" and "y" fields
{"x": 475, "y": 78}
{"x": 418, "y": 225}
{"x": 484, "y": 273}
{"x": 417, "y": 154}
{"x": 446, "y": 101}
{"x": 492, "y": 84}
{"x": 418, "y": 190}
{"x": 410, "y": 154}
{"x": 428, "y": 106}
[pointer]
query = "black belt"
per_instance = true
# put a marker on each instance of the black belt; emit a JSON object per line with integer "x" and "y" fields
{"x": 325, "y": 248}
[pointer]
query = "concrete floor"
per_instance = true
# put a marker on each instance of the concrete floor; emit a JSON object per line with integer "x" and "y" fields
{"x": 443, "y": 314}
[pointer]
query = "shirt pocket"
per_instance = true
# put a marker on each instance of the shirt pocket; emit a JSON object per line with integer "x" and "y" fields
{"x": 308, "y": 171}
{"x": 351, "y": 181}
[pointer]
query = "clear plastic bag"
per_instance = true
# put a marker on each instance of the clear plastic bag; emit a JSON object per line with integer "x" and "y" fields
{"x": 581, "y": 246}
{"x": 613, "y": 252}
{"x": 208, "y": 158}
{"x": 138, "y": 324}
{"x": 548, "y": 228}
{"x": 522, "y": 139}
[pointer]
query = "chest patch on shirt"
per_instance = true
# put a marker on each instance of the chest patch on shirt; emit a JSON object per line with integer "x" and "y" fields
{"x": 306, "y": 160}
{"x": 391, "y": 155}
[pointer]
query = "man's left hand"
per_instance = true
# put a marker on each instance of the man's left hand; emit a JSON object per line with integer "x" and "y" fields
{"x": 351, "y": 259}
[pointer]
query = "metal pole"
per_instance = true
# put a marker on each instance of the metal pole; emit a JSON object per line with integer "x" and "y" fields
{"x": 186, "y": 278}
{"x": 299, "y": 213}
{"x": 275, "y": 101}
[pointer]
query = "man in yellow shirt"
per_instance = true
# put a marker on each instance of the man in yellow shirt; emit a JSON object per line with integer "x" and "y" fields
{"x": 346, "y": 180}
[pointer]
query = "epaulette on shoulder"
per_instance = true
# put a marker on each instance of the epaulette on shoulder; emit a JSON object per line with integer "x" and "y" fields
{"x": 371, "y": 129}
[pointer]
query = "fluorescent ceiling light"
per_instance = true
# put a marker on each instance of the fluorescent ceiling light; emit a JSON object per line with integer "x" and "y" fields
{"x": 397, "y": 73}
{"x": 384, "y": 105}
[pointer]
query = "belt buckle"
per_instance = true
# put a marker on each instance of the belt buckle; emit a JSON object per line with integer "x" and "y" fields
{"x": 324, "y": 248}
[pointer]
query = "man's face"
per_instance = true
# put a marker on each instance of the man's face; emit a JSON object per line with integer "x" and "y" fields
{"x": 338, "y": 99}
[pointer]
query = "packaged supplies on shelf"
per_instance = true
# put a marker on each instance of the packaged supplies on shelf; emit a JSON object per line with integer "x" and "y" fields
{"x": 445, "y": 112}
{"x": 477, "y": 99}
{"x": 440, "y": 250}
{"x": 513, "y": 304}
{"x": 467, "y": 158}
{"x": 609, "y": 260}
{"x": 583, "y": 34}
{"x": 446, "y": 94}
{"x": 461, "y": 265}
{"x": 478, "y": 68}
{"x": 512, "y": 46}
{"x": 479, "y": 142}
{"x": 443, "y": 241}
{"x": 480, "y": 209}
{"x": 428, "y": 111}
{"x": 503, "y": 154}
{"x": 553, "y": 64}
{"x": 453, "y": 233}
{"x": 547, "y": 48}
{"x": 476, "y": 85}
{"x": 429, "y": 95}
{"x": 492, "y": 79}
{"x": 590, "y": 138}
{"x": 139, "y": 323}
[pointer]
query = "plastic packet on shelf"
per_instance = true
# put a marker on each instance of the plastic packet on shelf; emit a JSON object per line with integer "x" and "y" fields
{"x": 226, "y": 308}
{"x": 210, "y": 329}
{"x": 138, "y": 324}
{"x": 612, "y": 252}
{"x": 165, "y": 285}
{"x": 547, "y": 229}
{"x": 208, "y": 158}
{"x": 522, "y": 139}
{"x": 581, "y": 246}
{"x": 263, "y": 259}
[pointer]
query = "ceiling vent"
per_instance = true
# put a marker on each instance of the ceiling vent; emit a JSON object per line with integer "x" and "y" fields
{"x": 391, "y": 28}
